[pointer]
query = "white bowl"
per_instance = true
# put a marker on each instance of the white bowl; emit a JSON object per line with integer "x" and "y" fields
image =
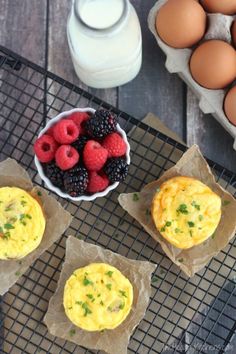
{"x": 56, "y": 189}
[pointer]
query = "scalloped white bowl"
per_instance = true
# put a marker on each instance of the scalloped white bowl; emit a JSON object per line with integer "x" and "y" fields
{"x": 56, "y": 189}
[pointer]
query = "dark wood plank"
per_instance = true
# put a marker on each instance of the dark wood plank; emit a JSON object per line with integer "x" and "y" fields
{"x": 23, "y": 28}
{"x": 59, "y": 60}
{"x": 154, "y": 89}
{"x": 23, "y": 31}
{"x": 205, "y": 131}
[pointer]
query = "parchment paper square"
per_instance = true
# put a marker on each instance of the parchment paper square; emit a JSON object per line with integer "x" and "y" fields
{"x": 192, "y": 260}
{"x": 57, "y": 221}
{"x": 80, "y": 254}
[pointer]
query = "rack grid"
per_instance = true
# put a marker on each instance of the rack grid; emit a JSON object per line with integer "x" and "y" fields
{"x": 185, "y": 315}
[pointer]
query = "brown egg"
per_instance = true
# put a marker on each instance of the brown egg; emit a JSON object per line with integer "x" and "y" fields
{"x": 234, "y": 33}
{"x": 213, "y": 64}
{"x": 182, "y": 23}
{"x": 227, "y": 7}
{"x": 230, "y": 105}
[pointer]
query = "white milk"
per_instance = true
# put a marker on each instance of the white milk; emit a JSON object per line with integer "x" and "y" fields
{"x": 105, "y": 42}
{"x": 101, "y": 13}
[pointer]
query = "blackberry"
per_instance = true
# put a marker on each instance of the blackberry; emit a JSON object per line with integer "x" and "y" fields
{"x": 116, "y": 169}
{"x": 101, "y": 124}
{"x": 80, "y": 142}
{"x": 76, "y": 181}
{"x": 54, "y": 173}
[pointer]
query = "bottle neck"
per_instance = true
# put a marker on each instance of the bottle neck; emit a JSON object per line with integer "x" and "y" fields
{"x": 87, "y": 15}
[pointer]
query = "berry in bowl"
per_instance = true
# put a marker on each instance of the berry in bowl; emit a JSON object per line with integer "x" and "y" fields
{"x": 82, "y": 154}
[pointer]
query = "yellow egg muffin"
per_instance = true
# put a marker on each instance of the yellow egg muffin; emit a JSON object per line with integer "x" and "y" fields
{"x": 97, "y": 297}
{"x": 22, "y": 223}
{"x": 186, "y": 211}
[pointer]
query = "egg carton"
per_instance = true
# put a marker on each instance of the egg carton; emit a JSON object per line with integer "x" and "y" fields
{"x": 210, "y": 101}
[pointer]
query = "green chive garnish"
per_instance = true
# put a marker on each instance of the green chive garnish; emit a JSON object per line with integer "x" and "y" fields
{"x": 109, "y": 286}
{"x": 182, "y": 209}
{"x": 8, "y": 226}
{"x": 109, "y": 273}
{"x": 191, "y": 224}
{"x": 135, "y": 197}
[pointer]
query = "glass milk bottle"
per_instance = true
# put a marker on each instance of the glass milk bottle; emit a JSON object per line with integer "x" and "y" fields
{"x": 105, "y": 42}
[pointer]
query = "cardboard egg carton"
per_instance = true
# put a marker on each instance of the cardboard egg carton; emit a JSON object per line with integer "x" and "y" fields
{"x": 210, "y": 101}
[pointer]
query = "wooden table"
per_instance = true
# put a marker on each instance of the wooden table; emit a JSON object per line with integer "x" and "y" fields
{"x": 37, "y": 30}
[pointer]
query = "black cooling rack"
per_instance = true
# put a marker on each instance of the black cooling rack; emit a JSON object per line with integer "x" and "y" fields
{"x": 196, "y": 315}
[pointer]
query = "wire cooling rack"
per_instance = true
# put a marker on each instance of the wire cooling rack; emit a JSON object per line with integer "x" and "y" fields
{"x": 195, "y": 315}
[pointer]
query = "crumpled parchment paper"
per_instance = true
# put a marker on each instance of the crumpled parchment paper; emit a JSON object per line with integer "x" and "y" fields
{"x": 57, "y": 221}
{"x": 80, "y": 254}
{"x": 192, "y": 260}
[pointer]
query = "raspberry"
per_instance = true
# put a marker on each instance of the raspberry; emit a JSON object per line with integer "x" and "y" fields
{"x": 76, "y": 181}
{"x": 50, "y": 131}
{"x": 79, "y": 118}
{"x": 101, "y": 124}
{"x": 94, "y": 156}
{"x": 115, "y": 145}
{"x": 65, "y": 131}
{"x": 116, "y": 169}
{"x": 45, "y": 148}
{"x": 97, "y": 182}
{"x": 66, "y": 157}
{"x": 54, "y": 174}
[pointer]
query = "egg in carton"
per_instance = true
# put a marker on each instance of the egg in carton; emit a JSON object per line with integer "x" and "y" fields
{"x": 177, "y": 61}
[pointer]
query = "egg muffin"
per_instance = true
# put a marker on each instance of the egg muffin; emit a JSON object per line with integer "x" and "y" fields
{"x": 22, "y": 223}
{"x": 185, "y": 211}
{"x": 97, "y": 297}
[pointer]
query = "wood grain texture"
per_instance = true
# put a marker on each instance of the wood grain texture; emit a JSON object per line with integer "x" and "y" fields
{"x": 23, "y": 28}
{"x": 205, "y": 131}
{"x": 154, "y": 89}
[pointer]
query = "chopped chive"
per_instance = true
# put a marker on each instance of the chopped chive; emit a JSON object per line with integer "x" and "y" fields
{"x": 213, "y": 236}
{"x": 39, "y": 194}
{"x": 109, "y": 273}
{"x": 101, "y": 303}
{"x": 23, "y": 203}
{"x": 123, "y": 293}
{"x": 87, "y": 282}
{"x": 1, "y": 230}
{"x": 226, "y": 202}
{"x": 191, "y": 233}
{"x": 154, "y": 279}
{"x": 8, "y": 209}
{"x": 8, "y": 226}
{"x": 191, "y": 224}
{"x": 177, "y": 230}
{"x": 168, "y": 223}
{"x": 135, "y": 197}
{"x": 87, "y": 310}
{"x": 163, "y": 229}
{"x": 17, "y": 274}
{"x": 181, "y": 260}
{"x": 69, "y": 308}
{"x": 6, "y": 235}
{"x": 98, "y": 295}
{"x": 200, "y": 217}
{"x": 122, "y": 306}
{"x": 90, "y": 296}
{"x": 195, "y": 205}
{"x": 182, "y": 209}
{"x": 78, "y": 302}
{"x": 109, "y": 286}
{"x": 72, "y": 332}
